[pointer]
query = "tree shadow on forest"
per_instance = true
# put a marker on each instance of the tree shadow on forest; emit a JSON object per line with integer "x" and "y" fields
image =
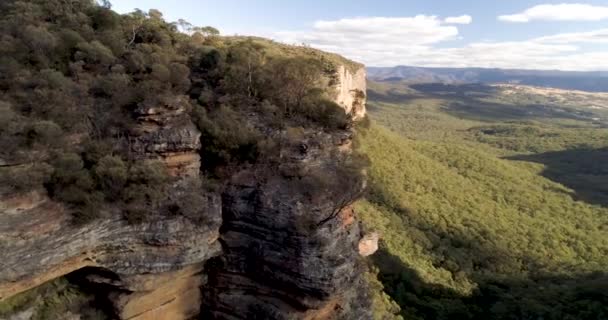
{"x": 456, "y": 90}
{"x": 585, "y": 171}
{"x": 466, "y": 101}
{"x": 391, "y": 96}
{"x": 545, "y": 297}
{"x": 472, "y": 108}
{"x": 508, "y": 285}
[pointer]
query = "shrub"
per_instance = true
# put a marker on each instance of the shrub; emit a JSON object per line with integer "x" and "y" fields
{"x": 70, "y": 172}
{"x": 94, "y": 150}
{"x": 226, "y": 137}
{"x": 326, "y": 113}
{"x": 24, "y": 178}
{"x": 193, "y": 205}
{"x": 73, "y": 184}
{"x": 135, "y": 212}
{"x": 12, "y": 126}
{"x": 145, "y": 190}
{"x": 112, "y": 174}
{"x": 95, "y": 52}
{"x": 89, "y": 211}
{"x": 151, "y": 173}
{"x": 45, "y": 133}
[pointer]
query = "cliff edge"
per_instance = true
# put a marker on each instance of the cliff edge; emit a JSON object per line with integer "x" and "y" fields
{"x": 266, "y": 246}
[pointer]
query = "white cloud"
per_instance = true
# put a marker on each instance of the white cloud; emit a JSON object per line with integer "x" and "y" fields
{"x": 559, "y": 12}
{"x": 464, "y": 19}
{"x": 425, "y": 41}
{"x": 374, "y": 31}
{"x": 595, "y": 36}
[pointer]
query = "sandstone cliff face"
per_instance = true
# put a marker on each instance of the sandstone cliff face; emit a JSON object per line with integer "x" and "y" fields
{"x": 39, "y": 243}
{"x": 166, "y": 133}
{"x": 351, "y": 91}
{"x": 265, "y": 247}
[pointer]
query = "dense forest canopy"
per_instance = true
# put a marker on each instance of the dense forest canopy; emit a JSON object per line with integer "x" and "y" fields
{"x": 483, "y": 217}
{"x": 75, "y": 75}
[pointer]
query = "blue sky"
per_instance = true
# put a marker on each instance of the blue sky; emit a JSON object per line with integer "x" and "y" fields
{"x": 508, "y": 34}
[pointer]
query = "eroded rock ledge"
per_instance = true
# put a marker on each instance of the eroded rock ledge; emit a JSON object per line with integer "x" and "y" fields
{"x": 264, "y": 247}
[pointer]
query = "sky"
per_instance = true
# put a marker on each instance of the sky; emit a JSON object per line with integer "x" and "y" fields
{"x": 522, "y": 34}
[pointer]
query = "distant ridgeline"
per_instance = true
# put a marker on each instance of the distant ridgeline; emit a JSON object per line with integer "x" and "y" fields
{"x": 572, "y": 80}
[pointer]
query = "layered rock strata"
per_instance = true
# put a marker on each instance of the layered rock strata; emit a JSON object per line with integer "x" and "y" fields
{"x": 276, "y": 255}
{"x": 282, "y": 258}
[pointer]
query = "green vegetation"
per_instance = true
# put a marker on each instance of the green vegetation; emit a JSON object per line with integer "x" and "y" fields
{"x": 67, "y": 124}
{"x": 52, "y": 300}
{"x": 537, "y": 137}
{"x": 68, "y": 116}
{"x": 478, "y": 227}
{"x": 329, "y": 61}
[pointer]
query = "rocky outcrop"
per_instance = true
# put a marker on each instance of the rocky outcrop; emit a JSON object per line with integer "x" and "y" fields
{"x": 39, "y": 243}
{"x": 287, "y": 251}
{"x": 283, "y": 258}
{"x": 290, "y": 251}
{"x": 152, "y": 262}
{"x": 351, "y": 90}
{"x": 368, "y": 245}
{"x": 166, "y": 133}
{"x": 168, "y": 295}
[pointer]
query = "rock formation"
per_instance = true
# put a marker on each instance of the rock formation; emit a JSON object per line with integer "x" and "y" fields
{"x": 351, "y": 91}
{"x": 266, "y": 247}
{"x": 368, "y": 245}
{"x": 281, "y": 259}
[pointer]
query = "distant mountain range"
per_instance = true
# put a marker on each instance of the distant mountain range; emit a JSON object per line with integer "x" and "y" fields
{"x": 571, "y": 80}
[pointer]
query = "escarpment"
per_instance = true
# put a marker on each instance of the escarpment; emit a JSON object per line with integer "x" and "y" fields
{"x": 289, "y": 250}
{"x": 178, "y": 180}
{"x": 154, "y": 266}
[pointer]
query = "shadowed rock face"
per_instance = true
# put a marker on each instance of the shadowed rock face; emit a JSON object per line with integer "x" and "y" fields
{"x": 283, "y": 259}
{"x": 280, "y": 261}
{"x": 276, "y": 259}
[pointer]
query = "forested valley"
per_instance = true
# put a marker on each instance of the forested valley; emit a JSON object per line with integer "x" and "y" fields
{"x": 489, "y": 205}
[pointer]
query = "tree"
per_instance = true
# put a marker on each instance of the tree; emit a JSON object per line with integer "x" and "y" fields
{"x": 135, "y": 23}
{"x": 184, "y": 26}
{"x": 112, "y": 174}
{"x": 245, "y": 69}
{"x": 209, "y": 31}
{"x": 106, "y": 4}
{"x": 290, "y": 80}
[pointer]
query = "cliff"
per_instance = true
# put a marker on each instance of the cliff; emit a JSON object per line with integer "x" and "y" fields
{"x": 154, "y": 266}
{"x": 351, "y": 91}
{"x": 267, "y": 246}
{"x": 282, "y": 258}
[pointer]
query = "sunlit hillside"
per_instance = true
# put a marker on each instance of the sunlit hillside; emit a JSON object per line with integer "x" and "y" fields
{"x": 482, "y": 224}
